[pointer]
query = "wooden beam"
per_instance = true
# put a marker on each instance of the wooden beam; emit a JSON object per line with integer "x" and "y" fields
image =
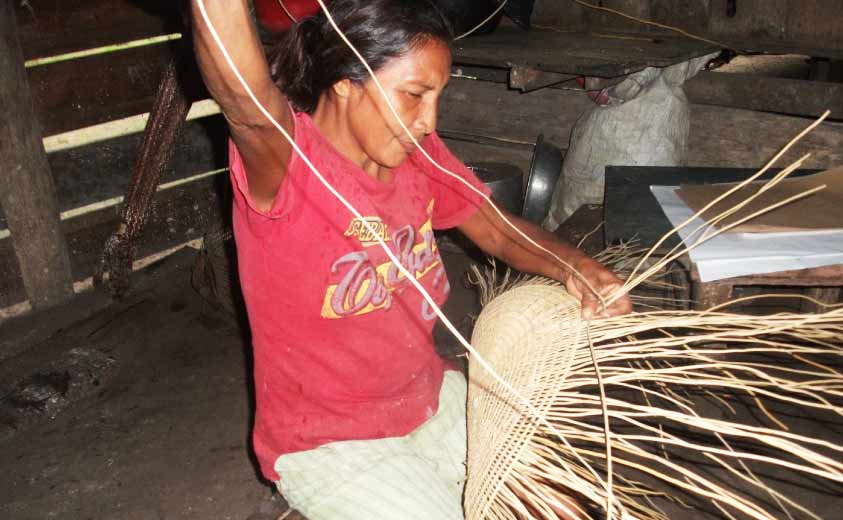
{"x": 526, "y": 79}
{"x": 735, "y": 90}
{"x": 86, "y": 91}
{"x": 589, "y": 54}
{"x": 27, "y": 193}
{"x": 719, "y": 136}
{"x": 490, "y": 109}
{"x": 48, "y": 27}
{"x": 766, "y": 94}
{"x": 100, "y": 171}
{"x": 804, "y": 27}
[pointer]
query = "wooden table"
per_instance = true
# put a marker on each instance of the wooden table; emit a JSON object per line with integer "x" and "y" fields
{"x": 631, "y": 210}
{"x": 821, "y": 283}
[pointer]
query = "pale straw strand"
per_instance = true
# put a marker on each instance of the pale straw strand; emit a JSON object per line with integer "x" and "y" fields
{"x": 481, "y": 24}
{"x": 633, "y": 281}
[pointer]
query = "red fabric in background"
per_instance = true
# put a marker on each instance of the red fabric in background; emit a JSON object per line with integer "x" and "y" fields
{"x": 273, "y": 18}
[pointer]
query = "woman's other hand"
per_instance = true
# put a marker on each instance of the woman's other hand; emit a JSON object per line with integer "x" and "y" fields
{"x": 595, "y": 285}
{"x": 486, "y": 229}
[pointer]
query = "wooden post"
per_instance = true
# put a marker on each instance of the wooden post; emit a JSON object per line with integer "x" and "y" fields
{"x": 27, "y": 192}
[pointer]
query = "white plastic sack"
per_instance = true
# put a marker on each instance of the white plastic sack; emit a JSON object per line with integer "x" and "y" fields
{"x": 645, "y": 122}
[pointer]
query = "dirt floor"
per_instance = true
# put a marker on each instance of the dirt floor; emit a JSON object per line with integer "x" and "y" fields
{"x": 158, "y": 429}
{"x": 141, "y": 409}
{"x": 166, "y": 433}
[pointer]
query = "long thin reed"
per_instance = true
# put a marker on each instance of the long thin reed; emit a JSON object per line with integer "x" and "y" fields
{"x": 675, "y": 382}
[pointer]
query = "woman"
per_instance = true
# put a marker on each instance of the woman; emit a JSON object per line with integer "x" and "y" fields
{"x": 357, "y": 417}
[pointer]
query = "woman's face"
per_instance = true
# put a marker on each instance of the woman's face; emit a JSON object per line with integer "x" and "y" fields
{"x": 413, "y": 84}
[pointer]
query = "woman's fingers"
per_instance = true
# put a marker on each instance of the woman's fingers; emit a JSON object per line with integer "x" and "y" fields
{"x": 593, "y": 285}
{"x": 590, "y": 304}
{"x": 593, "y": 305}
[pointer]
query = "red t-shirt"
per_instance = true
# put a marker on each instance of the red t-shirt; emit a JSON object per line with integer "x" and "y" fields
{"x": 342, "y": 343}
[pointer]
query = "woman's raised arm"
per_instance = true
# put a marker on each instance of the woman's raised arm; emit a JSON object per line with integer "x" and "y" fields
{"x": 264, "y": 150}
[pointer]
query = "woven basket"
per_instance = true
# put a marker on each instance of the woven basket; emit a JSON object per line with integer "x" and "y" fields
{"x": 518, "y": 334}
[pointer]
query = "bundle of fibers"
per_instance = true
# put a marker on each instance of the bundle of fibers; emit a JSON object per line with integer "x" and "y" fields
{"x": 676, "y": 383}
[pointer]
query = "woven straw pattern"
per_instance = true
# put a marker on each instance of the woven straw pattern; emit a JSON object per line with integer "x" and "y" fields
{"x": 519, "y": 333}
{"x": 676, "y": 383}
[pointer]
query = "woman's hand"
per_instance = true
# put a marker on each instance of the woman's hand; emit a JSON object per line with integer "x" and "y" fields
{"x": 486, "y": 229}
{"x": 604, "y": 282}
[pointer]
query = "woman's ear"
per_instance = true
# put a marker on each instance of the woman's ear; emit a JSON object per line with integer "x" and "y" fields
{"x": 343, "y": 88}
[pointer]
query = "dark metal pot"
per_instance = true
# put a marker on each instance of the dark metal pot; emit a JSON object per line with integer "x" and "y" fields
{"x": 545, "y": 168}
{"x": 505, "y": 181}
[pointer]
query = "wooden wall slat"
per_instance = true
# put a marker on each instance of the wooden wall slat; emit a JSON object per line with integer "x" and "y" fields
{"x": 486, "y": 108}
{"x": 766, "y": 94}
{"x": 819, "y": 22}
{"x": 50, "y": 27}
{"x": 101, "y": 171}
{"x": 86, "y": 91}
{"x": 719, "y": 136}
{"x": 179, "y": 214}
{"x": 92, "y": 173}
{"x": 776, "y": 26}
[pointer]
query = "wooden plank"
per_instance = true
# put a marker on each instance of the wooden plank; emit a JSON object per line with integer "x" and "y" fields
{"x": 814, "y": 48}
{"x": 823, "y": 276}
{"x": 27, "y": 193}
{"x": 816, "y": 21}
{"x": 763, "y": 19}
{"x": 708, "y": 295}
{"x": 691, "y": 15}
{"x": 767, "y": 94}
{"x": 485, "y": 108}
{"x": 719, "y": 136}
{"x": 526, "y": 79}
{"x": 793, "y": 26}
{"x": 563, "y": 15}
{"x": 179, "y": 214}
{"x": 823, "y": 295}
{"x": 48, "y": 27}
{"x": 811, "y": 28}
{"x": 87, "y": 91}
{"x": 606, "y": 21}
{"x": 821, "y": 283}
{"x": 729, "y": 138}
{"x": 735, "y": 90}
{"x": 101, "y": 171}
{"x": 576, "y": 53}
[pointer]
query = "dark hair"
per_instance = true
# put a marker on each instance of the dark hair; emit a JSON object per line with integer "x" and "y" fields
{"x": 311, "y": 57}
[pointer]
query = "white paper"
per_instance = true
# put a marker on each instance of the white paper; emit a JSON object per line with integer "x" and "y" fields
{"x": 740, "y": 254}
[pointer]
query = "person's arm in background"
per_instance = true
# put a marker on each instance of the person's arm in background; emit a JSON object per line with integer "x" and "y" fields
{"x": 264, "y": 150}
{"x": 486, "y": 229}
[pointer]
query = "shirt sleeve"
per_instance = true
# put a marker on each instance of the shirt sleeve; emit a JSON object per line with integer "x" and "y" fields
{"x": 284, "y": 198}
{"x": 454, "y": 202}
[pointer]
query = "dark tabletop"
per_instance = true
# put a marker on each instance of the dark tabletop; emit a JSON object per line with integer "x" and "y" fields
{"x": 631, "y": 210}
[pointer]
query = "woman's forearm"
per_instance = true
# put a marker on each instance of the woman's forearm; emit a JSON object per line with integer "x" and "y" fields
{"x": 523, "y": 256}
{"x": 233, "y": 23}
{"x": 592, "y": 282}
{"x": 496, "y": 238}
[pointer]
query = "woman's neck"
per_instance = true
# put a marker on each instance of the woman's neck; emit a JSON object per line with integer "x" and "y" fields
{"x": 329, "y": 119}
